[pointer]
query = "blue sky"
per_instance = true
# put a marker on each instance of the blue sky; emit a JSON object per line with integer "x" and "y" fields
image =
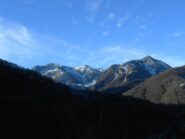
{"x": 94, "y": 32}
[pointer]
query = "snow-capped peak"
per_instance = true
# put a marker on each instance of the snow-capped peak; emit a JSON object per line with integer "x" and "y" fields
{"x": 83, "y": 68}
{"x": 86, "y": 69}
{"x": 152, "y": 64}
{"x": 84, "y": 76}
{"x": 148, "y": 57}
{"x": 152, "y": 61}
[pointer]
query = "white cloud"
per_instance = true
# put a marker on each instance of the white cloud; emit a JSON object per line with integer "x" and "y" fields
{"x": 19, "y": 34}
{"x": 93, "y": 6}
{"x": 15, "y": 32}
{"x": 21, "y": 45}
{"x": 104, "y": 25}
{"x": 122, "y": 20}
{"x": 142, "y": 20}
{"x": 177, "y": 34}
{"x": 17, "y": 42}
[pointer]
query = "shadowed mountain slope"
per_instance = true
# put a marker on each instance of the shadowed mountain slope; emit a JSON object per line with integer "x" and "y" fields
{"x": 121, "y": 78}
{"x": 167, "y": 87}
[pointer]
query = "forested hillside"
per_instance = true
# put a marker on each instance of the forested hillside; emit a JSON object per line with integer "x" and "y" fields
{"x": 33, "y": 106}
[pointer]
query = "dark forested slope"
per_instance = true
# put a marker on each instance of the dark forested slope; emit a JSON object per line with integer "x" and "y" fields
{"x": 33, "y": 107}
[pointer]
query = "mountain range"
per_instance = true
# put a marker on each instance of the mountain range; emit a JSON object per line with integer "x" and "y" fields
{"x": 117, "y": 78}
{"x": 147, "y": 78}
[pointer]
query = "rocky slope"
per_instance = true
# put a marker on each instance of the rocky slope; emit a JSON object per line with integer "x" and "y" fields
{"x": 119, "y": 78}
{"x": 167, "y": 87}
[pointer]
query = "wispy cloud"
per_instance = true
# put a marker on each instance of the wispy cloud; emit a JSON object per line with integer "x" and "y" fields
{"x": 92, "y": 7}
{"x": 177, "y": 34}
{"x": 122, "y": 20}
{"x": 116, "y": 19}
{"x": 117, "y": 54}
{"x": 15, "y": 39}
{"x": 25, "y": 47}
{"x": 113, "y": 54}
{"x": 142, "y": 20}
{"x": 111, "y": 15}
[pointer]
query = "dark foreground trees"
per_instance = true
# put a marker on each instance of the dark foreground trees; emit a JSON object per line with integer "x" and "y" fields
{"x": 33, "y": 106}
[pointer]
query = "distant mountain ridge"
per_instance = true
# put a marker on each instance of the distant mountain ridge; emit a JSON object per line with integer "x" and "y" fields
{"x": 129, "y": 74}
{"x": 126, "y": 75}
{"x": 81, "y": 76}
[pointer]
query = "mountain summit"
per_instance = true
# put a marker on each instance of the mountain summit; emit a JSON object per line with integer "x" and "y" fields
{"x": 129, "y": 74}
{"x": 125, "y": 75}
{"x": 77, "y": 77}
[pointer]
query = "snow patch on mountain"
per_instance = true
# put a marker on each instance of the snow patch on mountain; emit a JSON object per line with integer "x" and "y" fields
{"x": 81, "y": 76}
{"x": 90, "y": 84}
{"x": 86, "y": 76}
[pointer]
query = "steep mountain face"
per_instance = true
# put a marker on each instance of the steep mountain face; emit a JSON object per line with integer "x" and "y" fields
{"x": 119, "y": 78}
{"x": 167, "y": 87}
{"x": 78, "y": 77}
